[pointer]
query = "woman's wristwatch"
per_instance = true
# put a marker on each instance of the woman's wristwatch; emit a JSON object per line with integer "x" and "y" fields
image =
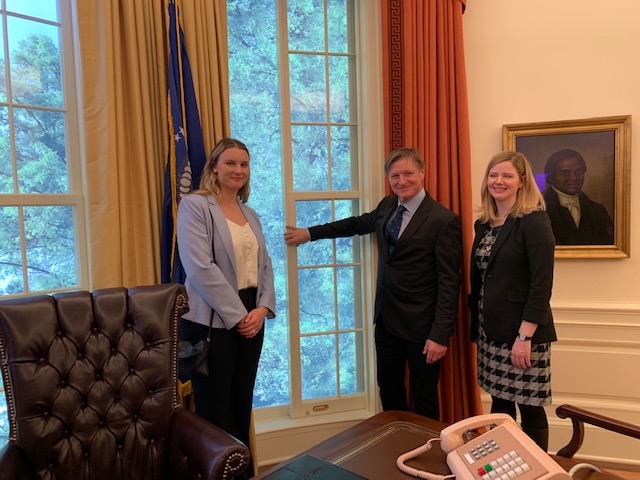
{"x": 524, "y": 338}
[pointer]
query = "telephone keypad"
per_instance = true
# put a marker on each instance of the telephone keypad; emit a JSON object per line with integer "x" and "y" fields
{"x": 484, "y": 449}
{"x": 507, "y": 467}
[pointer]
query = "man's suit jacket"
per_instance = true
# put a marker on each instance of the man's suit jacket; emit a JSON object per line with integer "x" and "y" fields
{"x": 596, "y": 227}
{"x": 518, "y": 279}
{"x": 215, "y": 284}
{"x": 418, "y": 285}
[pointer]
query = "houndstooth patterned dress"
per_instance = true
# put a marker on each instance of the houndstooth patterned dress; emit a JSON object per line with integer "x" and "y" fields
{"x": 496, "y": 375}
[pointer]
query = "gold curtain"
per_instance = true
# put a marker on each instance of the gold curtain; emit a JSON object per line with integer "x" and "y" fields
{"x": 426, "y": 108}
{"x": 123, "y": 57}
{"x": 205, "y": 26}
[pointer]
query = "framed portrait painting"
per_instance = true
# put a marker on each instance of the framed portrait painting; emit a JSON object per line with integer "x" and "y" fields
{"x": 582, "y": 167}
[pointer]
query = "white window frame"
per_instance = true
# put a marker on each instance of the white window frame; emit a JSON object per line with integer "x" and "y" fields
{"x": 371, "y": 189}
{"x": 75, "y": 198}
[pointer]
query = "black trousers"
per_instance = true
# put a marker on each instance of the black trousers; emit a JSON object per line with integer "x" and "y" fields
{"x": 225, "y": 397}
{"x": 393, "y": 353}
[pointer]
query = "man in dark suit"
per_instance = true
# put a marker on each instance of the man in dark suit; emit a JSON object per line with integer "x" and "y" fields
{"x": 419, "y": 250}
{"x": 575, "y": 218}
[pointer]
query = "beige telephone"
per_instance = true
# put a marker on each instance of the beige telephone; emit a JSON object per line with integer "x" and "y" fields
{"x": 504, "y": 452}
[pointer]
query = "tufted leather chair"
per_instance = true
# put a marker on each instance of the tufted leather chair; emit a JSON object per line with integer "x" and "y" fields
{"x": 91, "y": 387}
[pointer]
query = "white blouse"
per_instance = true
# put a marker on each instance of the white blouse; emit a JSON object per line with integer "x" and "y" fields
{"x": 245, "y": 250}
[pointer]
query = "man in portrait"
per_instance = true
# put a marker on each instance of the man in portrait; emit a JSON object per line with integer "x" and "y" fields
{"x": 575, "y": 218}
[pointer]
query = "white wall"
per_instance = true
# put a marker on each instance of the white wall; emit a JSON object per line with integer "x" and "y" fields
{"x": 543, "y": 60}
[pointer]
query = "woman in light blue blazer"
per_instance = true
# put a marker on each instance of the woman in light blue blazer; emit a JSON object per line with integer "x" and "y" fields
{"x": 228, "y": 275}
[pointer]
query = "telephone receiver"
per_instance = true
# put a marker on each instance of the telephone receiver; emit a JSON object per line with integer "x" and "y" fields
{"x": 452, "y": 436}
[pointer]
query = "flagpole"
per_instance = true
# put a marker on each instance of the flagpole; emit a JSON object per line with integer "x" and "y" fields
{"x": 174, "y": 166}
{"x": 179, "y": 40}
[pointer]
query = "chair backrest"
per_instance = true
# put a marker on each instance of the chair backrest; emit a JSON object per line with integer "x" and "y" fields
{"x": 91, "y": 379}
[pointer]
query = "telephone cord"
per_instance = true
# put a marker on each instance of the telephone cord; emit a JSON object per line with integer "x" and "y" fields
{"x": 583, "y": 466}
{"x": 414, "y": 471}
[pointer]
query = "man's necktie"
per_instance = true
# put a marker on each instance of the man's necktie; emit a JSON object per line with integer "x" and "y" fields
{"x": 393, "y": 228}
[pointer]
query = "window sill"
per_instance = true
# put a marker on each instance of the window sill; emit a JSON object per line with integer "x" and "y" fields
{"x": 278, "y": 424}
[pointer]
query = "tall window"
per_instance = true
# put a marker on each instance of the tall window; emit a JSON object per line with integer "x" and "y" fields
{"x": 294, "y": 101}
{"x": 41, "y": 214}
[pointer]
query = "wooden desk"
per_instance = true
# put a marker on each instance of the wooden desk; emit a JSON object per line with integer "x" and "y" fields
{"x": 371, "y": 447}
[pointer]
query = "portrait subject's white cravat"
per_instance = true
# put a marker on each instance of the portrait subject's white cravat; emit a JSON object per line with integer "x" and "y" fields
{"x": 572, "y": 203}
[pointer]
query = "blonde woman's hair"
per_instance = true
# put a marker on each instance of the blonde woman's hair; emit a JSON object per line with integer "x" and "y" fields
{"x": 528, "y": 199}
{"x": 209, "y": 183}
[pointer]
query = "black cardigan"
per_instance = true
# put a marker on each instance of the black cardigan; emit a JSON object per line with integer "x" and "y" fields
{"x": 518, "y": 280}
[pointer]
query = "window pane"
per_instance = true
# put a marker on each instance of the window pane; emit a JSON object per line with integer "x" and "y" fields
{"x": 3, "y": 80}
{"x": 310, "y": 158}
{"x": 351, "y": 369}
{"x": 318, "y": 366}
{"x": 41, "y": 151}
{"x": 339, "y": 89}
{"x": 272, "y": 385}
{"x": 51, "y": 247}
{"x": 34, "y": 57}
{"x": 344, "y": 171}
{"x": 6, "y": 165}
{"x": 11, "y": 279}
{"x": 254, "y": 77}
{"x": 348, "y": 289}
{"x": 347, "y": 249}
{"x": 316, "y": 212}
{"x": 45, "y": 9}
{"x": 316, "y": 294}
{"x": 337, "y": 25}
{"x": 306, "y": 25}
{"x": 308, "y": 88}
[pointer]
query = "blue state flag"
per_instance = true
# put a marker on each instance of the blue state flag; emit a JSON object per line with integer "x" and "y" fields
{"x": 187, "y": 156}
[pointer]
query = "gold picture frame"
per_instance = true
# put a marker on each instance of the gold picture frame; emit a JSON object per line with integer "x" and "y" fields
{"x": 604, "y": 143}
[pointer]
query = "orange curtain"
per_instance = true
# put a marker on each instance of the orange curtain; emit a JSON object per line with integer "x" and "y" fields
{"x": 426, "y": 108}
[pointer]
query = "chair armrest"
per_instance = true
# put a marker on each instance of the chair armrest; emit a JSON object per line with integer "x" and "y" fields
{"x": 199, "y": 449}
{"x": 15, "y": 464}
{"x": 580, "y": 416}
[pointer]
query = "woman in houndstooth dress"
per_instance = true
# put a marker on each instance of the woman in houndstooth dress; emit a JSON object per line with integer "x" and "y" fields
{"x": 511, "y": 281}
